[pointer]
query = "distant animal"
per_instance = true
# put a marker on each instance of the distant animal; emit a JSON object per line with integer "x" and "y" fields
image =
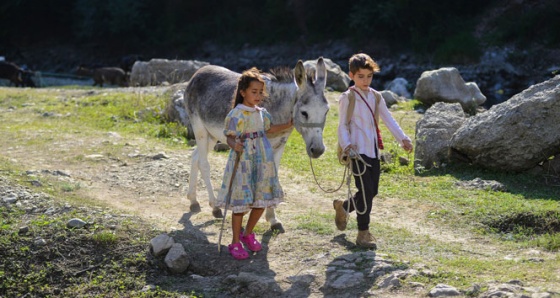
{"x": 26, "y": 75}
{"x": 101, "y": 75}
{"x": 10, "y": 71}
{"x": 291, "y": 94}
{"x": 128, "y": 61}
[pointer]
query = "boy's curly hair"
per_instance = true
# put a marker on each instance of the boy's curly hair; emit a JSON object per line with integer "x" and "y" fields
{"x": 247, "y": 76}
{"x": 360, "y": 61}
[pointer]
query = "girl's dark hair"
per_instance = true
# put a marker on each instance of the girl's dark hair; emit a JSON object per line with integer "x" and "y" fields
{"x": 248, "y": 76}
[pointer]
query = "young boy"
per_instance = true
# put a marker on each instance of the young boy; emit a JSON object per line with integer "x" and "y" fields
{"x": 360, "y": 141}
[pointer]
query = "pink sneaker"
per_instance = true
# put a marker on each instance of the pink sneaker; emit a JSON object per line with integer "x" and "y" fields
{"x": 250, "y": 241}
{"x": 237, "y": 252}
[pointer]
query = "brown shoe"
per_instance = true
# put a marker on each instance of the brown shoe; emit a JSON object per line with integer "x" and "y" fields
{"x": 366, "y": 239}
{"x": 341, "y": 217}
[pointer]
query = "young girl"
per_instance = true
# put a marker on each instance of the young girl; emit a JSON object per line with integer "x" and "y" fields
{"x": 255, "y": 184}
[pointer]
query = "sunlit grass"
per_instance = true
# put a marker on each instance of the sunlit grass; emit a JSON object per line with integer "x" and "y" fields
{"x": 125, "y": 112}
{"x": 319, "y": 223}
{"x": 105, "y": 238}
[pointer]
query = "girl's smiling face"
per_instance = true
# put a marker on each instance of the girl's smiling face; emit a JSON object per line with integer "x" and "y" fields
{"x": 254, "y": 94}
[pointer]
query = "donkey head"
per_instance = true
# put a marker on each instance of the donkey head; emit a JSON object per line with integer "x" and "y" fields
{"x": 311, "y": 107}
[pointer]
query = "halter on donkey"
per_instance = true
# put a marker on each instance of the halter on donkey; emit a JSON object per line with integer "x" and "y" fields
{"x": 291, "y": 95}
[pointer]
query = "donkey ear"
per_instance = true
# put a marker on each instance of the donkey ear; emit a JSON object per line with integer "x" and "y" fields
{"x": 299, "y": 74}
{"x": 321, "y": 74}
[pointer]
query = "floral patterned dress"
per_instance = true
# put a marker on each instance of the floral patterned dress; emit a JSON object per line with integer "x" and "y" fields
{"x": 255, "y": 184}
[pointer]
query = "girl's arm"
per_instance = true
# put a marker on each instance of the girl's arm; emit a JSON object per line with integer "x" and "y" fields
{"x": 280, "y": 127}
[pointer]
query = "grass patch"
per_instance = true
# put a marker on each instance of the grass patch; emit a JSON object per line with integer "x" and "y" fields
{"x": 319, "y": 223}
{"x": 105, "y": 238}
{"x": 126, "y": 112}
{"x": 550, "y": 242}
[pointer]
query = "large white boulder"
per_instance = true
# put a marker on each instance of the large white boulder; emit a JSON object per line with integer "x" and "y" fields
{"x": 515, "y": 135}
{"x": 162, "y": 71}
{"x": 447, "y": 85}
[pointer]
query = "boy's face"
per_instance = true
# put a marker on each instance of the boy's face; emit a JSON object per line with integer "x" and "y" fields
{"x": 362, "y": 78}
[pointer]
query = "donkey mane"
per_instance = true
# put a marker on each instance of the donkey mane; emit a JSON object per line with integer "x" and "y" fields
{"x": 281, "y": 74}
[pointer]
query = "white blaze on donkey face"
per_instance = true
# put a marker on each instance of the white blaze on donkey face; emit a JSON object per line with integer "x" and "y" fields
{"x": 291, "y": 95}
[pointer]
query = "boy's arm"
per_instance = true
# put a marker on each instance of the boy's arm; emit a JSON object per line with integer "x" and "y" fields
{"x": 392, "y": 125}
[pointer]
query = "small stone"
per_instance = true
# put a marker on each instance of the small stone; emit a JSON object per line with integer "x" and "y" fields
{"x": 23, "y": 230}
{"x": 147, "y": 288}
{"x": 10, "y": 199}
{"x": 40, "y": 242}
{"x": 159, "y": 156}
{"x": 76, "y": 223}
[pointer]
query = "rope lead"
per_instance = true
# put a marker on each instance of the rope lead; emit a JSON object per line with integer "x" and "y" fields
{"x": 346, "y": 161}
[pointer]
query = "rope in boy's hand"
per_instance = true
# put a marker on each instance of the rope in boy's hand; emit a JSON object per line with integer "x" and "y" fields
{"x": 351, "y": 152}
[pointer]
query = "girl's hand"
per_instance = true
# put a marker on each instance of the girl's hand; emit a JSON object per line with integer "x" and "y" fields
{"x": 238, "y": 146}
{"x": 235, "y": 144}
{"x": 280, "y": 127}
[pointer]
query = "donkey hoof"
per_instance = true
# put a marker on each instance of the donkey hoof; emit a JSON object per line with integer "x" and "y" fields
{"x": 277, "y": 227}
{"x": 217, "y": 212}
{"x": 195, "y": 207}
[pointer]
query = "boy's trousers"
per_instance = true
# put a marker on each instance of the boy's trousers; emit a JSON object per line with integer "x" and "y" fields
{"x": 370, "y": 180}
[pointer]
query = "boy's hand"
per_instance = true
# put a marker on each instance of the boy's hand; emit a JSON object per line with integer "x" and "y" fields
{"x": 351, "y": 146}
{"x": 407, "y": 146}
{"x": 351, "y": 150}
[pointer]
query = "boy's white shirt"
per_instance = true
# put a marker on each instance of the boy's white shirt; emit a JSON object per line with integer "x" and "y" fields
{"x": 362, "y": 127}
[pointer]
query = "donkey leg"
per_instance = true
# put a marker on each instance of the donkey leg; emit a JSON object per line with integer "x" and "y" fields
{"x": 270, "y": 214}
{"x": 216, "y": 212}
{"x": 275, "y": 224}
{"x": 203, "y": 143}
{"x": 191, "y": 194}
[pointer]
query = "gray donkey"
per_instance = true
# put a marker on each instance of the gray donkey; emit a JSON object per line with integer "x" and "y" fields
{"x": 294, "y": 95}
